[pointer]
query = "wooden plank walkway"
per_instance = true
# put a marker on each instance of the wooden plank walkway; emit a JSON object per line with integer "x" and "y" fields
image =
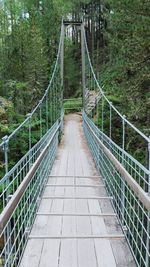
{"x": 76, "y": 225}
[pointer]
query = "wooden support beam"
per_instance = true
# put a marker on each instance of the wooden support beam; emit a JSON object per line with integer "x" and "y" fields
{"x": 64, "y": 197}
{"x": 74, "y": 176}
{"x": 74, "y": 185}
{"x": 119, "y": 236}
{"x": 78, "y": 214}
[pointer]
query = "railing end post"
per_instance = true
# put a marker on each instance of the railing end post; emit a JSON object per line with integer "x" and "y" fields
{"x": 5, "y": 140}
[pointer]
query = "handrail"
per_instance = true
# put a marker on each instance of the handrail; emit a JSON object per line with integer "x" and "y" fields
{"x": 11, "y": 171}
{"x": 12, "y": 204}
{"x": 140, "y": 193}
{"x": 123, "y": 151}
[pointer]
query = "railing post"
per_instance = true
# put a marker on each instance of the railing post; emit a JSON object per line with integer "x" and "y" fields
{"x": 122, "y": 182}
{"x": 51, "y": 104}
{"x": 30, "y": 139}
{"x": 40, "y": 118}
{"x": 62, "y": 120}
{"x": 148, "y": 218}
{"x": 102, "y": 126}
{"x": 123, "y": 132}
{"x": 62, "y": 56}
{"x": 97, "y": 111}
{"x": 47, "y": 111}
{"x": 83, "y": 64}
{"x": 5, "y": 149}
{"x": 8, "y": 230}
{"x": 110, "y": 121}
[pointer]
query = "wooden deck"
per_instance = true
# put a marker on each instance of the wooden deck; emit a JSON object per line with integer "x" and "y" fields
{"x": 76, "y": 225}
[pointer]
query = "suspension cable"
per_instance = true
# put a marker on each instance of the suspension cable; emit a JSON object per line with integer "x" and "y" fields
{"x": 105, "y": 97}
{"x": 45, "y": 93}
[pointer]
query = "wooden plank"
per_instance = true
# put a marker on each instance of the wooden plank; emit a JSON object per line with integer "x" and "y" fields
{"x": 45, "y": 205}
{"x": 54, "y": 226}
{"x": 49, "y": 191}
{"x": 69, "y": 226}
{"x": 69, "y": 206}
{"x": 64, "y": 163}
{"x": 70, "y": 192}
{"x": 82, "y": 206}
{"x": 68, "y": 254}
{"x": 104, "y": 253}
{"x": 74, "y": 230}
{"x": 112, "y": 225}
{"x": 70, "y": 181}
{"x": 78, "y": 164}
{"x": 106, "y": 206}
{"x": 61, "y": 180}
{"x": 94, "y": 206}
{"x": 40, "y": 225}
{"x": 97, "y": 223}
{"x": 32, "y": 254}
{"x": 122, "y": 253}
{"x": 60, "y": 191}
{"x": 50, "y": 253}
{"x": 89, "y": 191}
{"x": 87, "y": 170}
{"x": 86, "y": 253}
{"x": 71, "y": 164}
{"x": 83, "y": 226}
{"x": 89, "y": 181}
{"x": 53, "y": 180}
{"x": 57, "y": 205}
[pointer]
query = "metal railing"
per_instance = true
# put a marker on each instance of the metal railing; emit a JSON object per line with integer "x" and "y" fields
{"x": 130, "y": 201}
{"x": 127, "y": 180}
{"x": 22, "y": 185}
{"x": 17, "y": 174}
{"x": 18, "y": 216}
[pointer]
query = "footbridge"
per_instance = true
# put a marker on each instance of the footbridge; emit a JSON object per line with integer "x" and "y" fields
{"x": 76, "y": 197}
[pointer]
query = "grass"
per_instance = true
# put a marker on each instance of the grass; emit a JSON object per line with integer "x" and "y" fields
{"x": 72, "y": 105}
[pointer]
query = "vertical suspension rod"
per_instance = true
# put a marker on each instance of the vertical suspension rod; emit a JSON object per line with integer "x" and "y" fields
{"x": 83, "y": 64}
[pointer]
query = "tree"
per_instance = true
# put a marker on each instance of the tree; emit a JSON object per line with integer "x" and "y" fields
{"x": 127, "y": 68}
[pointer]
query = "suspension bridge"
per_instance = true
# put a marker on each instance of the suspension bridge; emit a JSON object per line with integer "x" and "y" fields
{"x": 76, "y": 197}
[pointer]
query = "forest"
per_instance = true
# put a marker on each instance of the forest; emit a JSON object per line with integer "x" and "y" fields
{"x": 101, "y": 72}
{"x": 118, "y": 40}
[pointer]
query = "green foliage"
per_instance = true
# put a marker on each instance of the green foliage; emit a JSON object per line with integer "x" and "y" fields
{"x": 126, "y": 72}
{"x": 72, "y": 67}
{"x": 72, "y": 105}
{"x": 118, "y": 39}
